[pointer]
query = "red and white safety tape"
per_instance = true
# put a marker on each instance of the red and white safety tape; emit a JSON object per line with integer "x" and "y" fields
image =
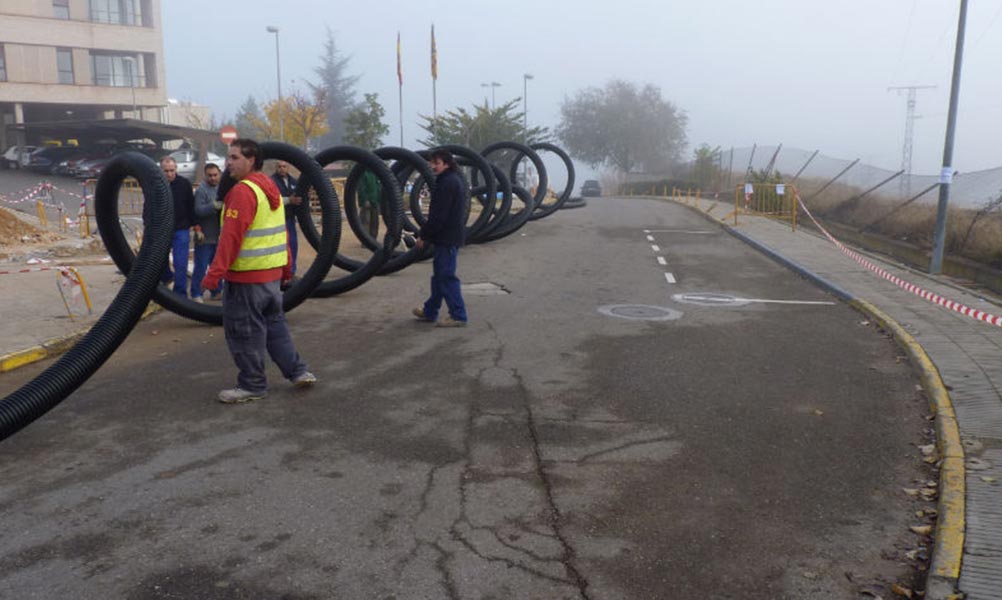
{"x": 30, "y": 191}
{"x": 925, "y": 294}
{"x": 73, "y": 194}
{"x": 33, "y": 270}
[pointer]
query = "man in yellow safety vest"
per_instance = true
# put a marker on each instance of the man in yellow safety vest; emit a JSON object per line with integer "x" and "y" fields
{"x": 252, "y": 257}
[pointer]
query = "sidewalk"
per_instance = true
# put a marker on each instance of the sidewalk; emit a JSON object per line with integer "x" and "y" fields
{"x": 36, "y": 323}
{"x": 968, "y": 355}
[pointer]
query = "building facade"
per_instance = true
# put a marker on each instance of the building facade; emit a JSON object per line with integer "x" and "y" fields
{"x": 77, "y": 60}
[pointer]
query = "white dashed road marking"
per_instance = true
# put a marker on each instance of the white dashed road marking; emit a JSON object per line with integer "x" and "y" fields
{"x": 670, "y": 277}
{"x": 662, "y": 261}
{"x": 650, "y": 238}
{"x": 656, "y": 248}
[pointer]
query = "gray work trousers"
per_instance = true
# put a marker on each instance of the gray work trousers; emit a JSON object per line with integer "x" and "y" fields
{"x": 254, "y": 324}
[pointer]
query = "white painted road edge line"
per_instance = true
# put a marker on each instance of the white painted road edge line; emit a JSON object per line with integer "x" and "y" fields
{"x": 670, "y": 277}
{"x": 662, "y": 261}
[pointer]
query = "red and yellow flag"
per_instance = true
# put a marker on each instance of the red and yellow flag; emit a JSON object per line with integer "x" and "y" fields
{"x": 434, "y": 55}
{"x": 400, "y": 71}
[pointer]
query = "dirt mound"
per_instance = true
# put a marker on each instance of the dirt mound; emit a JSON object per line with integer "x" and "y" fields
{"x": 14, "y": 231}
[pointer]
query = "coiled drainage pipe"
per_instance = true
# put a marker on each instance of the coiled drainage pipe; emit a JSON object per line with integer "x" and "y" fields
{"x": 57, "y": 382}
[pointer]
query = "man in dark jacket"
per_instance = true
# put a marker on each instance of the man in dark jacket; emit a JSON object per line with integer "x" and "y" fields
{"x": 446, "y": 229}
{"x": 287, "y": 188}
{"x": 207, "y": 209}
{"x": 184, "y": 218}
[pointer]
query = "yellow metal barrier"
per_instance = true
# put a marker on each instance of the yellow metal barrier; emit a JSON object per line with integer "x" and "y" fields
{"x": 774, "y": 200}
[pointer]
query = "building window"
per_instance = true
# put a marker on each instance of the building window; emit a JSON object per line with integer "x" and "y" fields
{"x": 117, "y": 12}
{"x": 64, "y": 61}
{"x": 3, "y": 65}
{"x": 61, "y": 9}
{"x": 115, "y": 70}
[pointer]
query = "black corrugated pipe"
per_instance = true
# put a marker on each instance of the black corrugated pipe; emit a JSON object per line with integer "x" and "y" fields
{"x": 543, "y": 210}
{"x": 57, "y": 382}
{"x": 311, "y": 176}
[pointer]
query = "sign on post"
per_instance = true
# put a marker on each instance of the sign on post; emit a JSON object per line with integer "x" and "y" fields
{"x": 227, "y": 134}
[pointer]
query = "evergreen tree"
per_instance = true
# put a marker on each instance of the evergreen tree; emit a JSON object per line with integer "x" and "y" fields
{"x": 248, "y": 118}
{"x": 339, "y": 88}
{"x": 364, "y": 125}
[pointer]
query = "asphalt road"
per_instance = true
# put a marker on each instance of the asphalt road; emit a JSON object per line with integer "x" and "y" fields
{"x": 553, "y": 449}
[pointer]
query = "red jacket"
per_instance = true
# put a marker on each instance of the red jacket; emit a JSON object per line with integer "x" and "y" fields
{"x": 239, "y": 209}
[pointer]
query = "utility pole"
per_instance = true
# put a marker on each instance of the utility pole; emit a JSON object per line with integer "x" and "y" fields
{"x": 946, "y": 174}
{"x": 906, "y": 150}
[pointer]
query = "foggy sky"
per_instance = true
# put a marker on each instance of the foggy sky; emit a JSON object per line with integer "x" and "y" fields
{"x": 805, "y": 73}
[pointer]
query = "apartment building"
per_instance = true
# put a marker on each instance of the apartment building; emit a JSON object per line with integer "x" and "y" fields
{"x": 78, "y": 60}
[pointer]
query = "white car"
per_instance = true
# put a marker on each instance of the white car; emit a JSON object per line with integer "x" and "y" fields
{"x": 17, "y": 156}
{"x": 187, "y": 162}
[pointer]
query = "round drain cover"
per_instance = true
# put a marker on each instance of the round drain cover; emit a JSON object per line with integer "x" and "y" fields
{"x": 640, "y": 312}
{"x": 709, "y": 299}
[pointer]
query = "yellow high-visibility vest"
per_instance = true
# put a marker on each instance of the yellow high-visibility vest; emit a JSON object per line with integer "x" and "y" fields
{"x": 264, "y": 245}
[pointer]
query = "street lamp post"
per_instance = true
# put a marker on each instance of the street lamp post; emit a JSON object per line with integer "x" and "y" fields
{"x": 493, "y": 85}
{"x": 278, "y": 73}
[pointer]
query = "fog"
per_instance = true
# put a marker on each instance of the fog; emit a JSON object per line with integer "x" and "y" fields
{"x": 806, "y": 74}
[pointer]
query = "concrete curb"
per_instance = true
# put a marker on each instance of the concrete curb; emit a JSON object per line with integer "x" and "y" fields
{"x": 52, "y": 348}
{"x": 948, "y": 545}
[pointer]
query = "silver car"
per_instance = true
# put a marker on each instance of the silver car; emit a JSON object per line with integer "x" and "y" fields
{"x": 187, "y": 162}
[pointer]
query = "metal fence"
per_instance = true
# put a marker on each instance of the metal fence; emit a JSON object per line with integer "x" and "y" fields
{"x": 810, "y": 170}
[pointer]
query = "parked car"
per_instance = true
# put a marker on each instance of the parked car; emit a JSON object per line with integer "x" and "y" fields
{"x": 68, "y": 165}
{"x": 91, "y": 168}
{"x": 16, "y": 156}
{"x": 45, "y": 160}
{"x": 187, "y": 162}
{"x": 591, "y": 188}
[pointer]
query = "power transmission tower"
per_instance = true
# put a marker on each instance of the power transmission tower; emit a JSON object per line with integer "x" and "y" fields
{"x": 906, "y": 151}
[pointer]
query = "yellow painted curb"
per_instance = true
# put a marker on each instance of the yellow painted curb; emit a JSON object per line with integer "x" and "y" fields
{"x": 16, "y": 360}
{"x": 54, "y": 347}
{"x": 948, "y": 547}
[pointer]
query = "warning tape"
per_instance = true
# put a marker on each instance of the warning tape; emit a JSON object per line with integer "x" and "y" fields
{"x": 73, "y": 194}
{"x": 30, "y": 191}
{"x": 33, "y": 270}
{"x": 925, "y": 294}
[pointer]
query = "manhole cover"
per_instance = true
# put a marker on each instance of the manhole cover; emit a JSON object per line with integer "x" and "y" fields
{"x": 709, "y": 299}
{"x": 640, "y": 312}
{"x": 483, "y": 289}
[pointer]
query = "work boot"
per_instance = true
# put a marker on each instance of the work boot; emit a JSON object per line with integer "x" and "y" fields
{"x": 419, "y": 313}
{"x": 450, "y": 322}
{"x": 304, "y": 380}
{"x": 239, "y": 396}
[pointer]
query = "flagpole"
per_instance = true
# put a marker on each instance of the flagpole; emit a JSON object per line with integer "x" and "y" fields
{"x": 400, "y": 90}
{"x": 434, "y": 82}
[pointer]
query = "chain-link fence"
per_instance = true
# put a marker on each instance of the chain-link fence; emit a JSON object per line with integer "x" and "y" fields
{"x": 811, "y": 170}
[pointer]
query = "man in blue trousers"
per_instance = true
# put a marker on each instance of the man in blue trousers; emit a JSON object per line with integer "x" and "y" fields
{"x": 287, "y": 188}
{"x": 446, "y": 229}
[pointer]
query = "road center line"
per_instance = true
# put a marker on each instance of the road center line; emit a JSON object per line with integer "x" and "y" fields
{"x": 650, "y": 238}
{"x": 656, "y": 248}
{"x": 662, "y": 261}
{"x": 670, "y": 277}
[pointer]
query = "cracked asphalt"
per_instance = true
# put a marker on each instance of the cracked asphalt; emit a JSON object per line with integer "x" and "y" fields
{"x": 547, "y": 451}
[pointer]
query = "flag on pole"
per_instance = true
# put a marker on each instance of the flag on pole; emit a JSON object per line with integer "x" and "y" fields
{"x": 434, "y": 55}
{"x": 400, "y": 72}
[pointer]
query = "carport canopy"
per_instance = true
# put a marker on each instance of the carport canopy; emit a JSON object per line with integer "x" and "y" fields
{"x": 90, "y": 131}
